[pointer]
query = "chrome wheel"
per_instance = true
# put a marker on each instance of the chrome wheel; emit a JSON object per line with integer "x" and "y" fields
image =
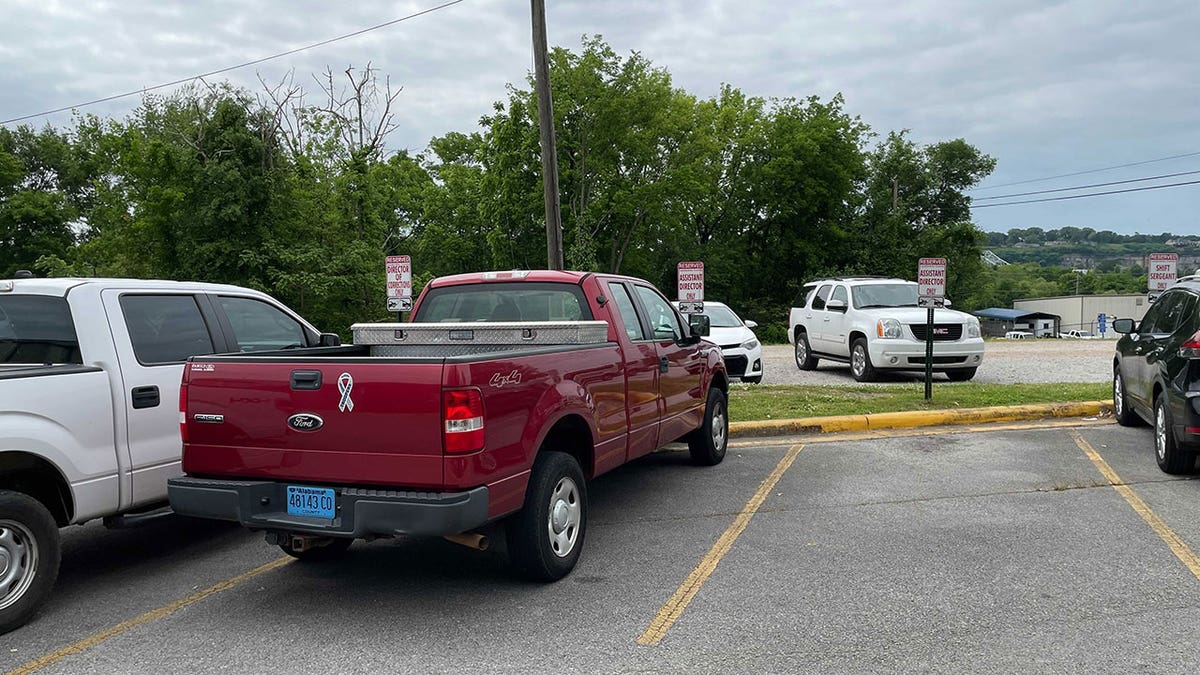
{"x": 801, "y": 352}
{"x": 1160, "y": 432}
{"x": 18, "y": 561}
{"x": 858, "y": 361}
{"x": 720, "y": 427}
{"x": 565, "y": 516}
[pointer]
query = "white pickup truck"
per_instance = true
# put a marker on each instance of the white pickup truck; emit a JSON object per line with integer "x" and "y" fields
{"x": 90, "y": 371}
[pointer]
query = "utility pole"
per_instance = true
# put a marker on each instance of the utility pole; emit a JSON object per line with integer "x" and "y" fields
{"x": 545, "y": 104}
{"x": 895, "y": 194}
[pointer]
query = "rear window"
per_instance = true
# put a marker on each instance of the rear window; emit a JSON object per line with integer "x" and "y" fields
{"x": 37, "y": 329}
{"x": 518, "y": 301}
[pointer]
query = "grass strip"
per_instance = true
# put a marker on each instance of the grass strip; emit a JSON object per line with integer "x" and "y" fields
{"x": 749, "y": 403}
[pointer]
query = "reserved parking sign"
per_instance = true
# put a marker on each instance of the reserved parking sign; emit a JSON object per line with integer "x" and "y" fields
{"x": 931, "y": 281}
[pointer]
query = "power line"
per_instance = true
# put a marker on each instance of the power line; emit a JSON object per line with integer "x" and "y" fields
{"x": 1081, "y": 173}
{"x": 240, "y": 65}
{"x": 1090, "y": 194}
{"x": 1093, "y": 185}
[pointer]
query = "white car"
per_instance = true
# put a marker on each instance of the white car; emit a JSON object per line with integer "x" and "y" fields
{"x": 874, "y": 324}
{"x": 739, "y": 344}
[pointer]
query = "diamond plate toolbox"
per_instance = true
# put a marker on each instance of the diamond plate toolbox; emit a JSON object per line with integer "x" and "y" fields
{"x": 514, "y": 333}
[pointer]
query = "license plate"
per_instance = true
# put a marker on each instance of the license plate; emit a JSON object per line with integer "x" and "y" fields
{"x": 310, "y": 501}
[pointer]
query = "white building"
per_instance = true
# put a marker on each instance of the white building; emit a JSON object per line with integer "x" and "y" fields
{"x": 1081, "y": 312}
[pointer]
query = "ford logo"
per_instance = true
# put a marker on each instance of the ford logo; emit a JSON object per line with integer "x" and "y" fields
{"x": 305, "y": 422}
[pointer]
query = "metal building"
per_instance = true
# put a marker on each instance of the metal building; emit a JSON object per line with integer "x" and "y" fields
{"x": 996, "y": 322}
{"x": 1081, "y": 312}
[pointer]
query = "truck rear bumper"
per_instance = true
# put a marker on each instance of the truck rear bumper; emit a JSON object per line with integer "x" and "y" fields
{"x": 360, "y": 512}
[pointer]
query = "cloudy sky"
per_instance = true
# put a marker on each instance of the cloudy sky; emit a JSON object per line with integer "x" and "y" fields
{"x": 1048, "y": 88}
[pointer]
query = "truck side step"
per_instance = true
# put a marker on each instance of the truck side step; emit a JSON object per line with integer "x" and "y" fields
{"x": 128, "y": 520}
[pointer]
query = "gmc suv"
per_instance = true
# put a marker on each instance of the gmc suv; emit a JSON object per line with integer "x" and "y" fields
{"x": 874, "y": 324}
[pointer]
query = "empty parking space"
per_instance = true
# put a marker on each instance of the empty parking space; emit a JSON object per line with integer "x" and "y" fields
{"x": 944, "y": 551}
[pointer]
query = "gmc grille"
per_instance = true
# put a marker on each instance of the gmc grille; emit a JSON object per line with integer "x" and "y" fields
{"x": 942, "y": 332}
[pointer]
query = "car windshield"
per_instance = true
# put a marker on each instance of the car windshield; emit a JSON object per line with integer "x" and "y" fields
{"x": 884, "y": 295}
{"x": 721, "y": 317}
{"x": 37, "y": 329}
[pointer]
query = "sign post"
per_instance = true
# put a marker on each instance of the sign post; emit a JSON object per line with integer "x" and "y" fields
{"x": 399, "y": 284}
{"x": 1161, "y": 273}
{"x": 931, "y": 293}
{"x": 690, "y": 280}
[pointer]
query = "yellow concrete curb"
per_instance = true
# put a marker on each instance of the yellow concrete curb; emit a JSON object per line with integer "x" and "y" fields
{"x": 919, "y": 418}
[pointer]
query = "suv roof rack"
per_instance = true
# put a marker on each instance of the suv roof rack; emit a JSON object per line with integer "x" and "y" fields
{"x": 856, "y": 277}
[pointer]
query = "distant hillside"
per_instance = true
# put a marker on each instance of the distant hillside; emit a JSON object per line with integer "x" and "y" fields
{"x": 1085, "y": 248}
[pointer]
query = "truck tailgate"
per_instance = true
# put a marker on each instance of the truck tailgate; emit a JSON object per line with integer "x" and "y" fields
{"x": 328, "y": 422}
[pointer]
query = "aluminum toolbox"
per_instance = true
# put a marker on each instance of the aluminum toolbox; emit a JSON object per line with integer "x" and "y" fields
{"x": 517, "y": 333}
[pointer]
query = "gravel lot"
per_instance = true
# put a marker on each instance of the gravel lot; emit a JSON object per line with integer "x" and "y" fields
{"x": 1004, "y": 362}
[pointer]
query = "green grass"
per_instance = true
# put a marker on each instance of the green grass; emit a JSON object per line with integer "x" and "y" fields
{"x": 754, "y": 402}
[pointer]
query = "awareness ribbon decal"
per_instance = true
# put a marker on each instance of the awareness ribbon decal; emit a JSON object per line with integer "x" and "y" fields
{"x": 345, "y": 384}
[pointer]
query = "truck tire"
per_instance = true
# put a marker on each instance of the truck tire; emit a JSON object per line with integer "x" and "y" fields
{"x": 708, "y": 443}
{"x": 860, "y": 361}
{"x": 546, "y": 536}
{"x": 336, "y": 548}
{"x": 29, "y": 556}
{"x": 804, "y": 357}
{"x": 1171, "y": 458}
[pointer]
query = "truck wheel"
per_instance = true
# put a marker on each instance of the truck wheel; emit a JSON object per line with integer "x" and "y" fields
{"x": 1171, "y": 458}
{"x": 804, "y": 357}
{"x": 860, "y": 361}
{"x": 546, "y": 536}
{"x": 708, "y": 443}
{"x": 961, "y": 374}
{"x": 29, "y": 557}
{"x": 336, "y": 548}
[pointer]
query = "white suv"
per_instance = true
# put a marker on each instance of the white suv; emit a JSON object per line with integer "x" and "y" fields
{"x": 874, "y": 324}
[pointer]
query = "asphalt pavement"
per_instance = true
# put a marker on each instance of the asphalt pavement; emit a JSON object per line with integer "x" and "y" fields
{"x": 1004, "y": 362}
{"x": 933, "y": 550}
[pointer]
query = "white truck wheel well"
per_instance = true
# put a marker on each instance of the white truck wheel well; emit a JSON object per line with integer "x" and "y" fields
{"x": 34, "y": 476}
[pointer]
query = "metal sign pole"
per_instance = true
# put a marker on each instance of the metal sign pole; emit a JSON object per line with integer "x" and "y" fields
{"x": 929, "y": 355}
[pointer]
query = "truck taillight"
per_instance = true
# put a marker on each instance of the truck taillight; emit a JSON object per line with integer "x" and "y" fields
{"x": 183, "y": 403}
{"x": 1190, "y": 349}
{"x": 463, "y": 415}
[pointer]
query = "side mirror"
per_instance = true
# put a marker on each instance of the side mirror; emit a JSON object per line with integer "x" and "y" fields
{"x": 946, "y": 302}
{"x": 330, "y": 340}
{"x": 751, "y": 324}
{"x": 1123, "y": 326}
{"x": 700, "y": 325}
{"x": 836, "y": 305}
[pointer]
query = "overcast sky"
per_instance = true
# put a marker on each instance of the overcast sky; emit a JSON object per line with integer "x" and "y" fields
{"x": 1047, "y": 88}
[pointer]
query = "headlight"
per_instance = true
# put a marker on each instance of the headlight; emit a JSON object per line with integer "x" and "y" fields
{"x": 888, "y": 328}
{"x": 973, "y": 329}
{"x": 750, "y": 344}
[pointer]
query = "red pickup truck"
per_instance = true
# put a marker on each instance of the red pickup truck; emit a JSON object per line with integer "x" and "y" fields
{"x": 507, "y": 393}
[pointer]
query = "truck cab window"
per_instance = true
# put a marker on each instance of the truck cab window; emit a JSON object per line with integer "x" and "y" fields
{"x": 663, "y": 321}
{"x": 37, "y": 330}
{"x": 257, "y": 326}
{"x": 165, "y": 329}
{"x": 629, "y": 316}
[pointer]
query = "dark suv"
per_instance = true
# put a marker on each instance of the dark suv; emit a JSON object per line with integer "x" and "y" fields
{"x": 1156, "y": 374}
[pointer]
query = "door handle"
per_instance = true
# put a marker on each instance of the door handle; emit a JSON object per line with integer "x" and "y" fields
{"x": 306, "y": 380}
{"x": 145, "y": 397}
{"x": 663, "y": 364}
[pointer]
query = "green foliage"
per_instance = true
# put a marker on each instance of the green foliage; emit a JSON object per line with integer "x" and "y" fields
{"x": 216, "y": 184}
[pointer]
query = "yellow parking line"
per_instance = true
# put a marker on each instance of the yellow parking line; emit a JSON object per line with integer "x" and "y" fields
{"x": 1160, "y": 527}
{"x": 92, "y": 641}
{"x": 674, "y": 607}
